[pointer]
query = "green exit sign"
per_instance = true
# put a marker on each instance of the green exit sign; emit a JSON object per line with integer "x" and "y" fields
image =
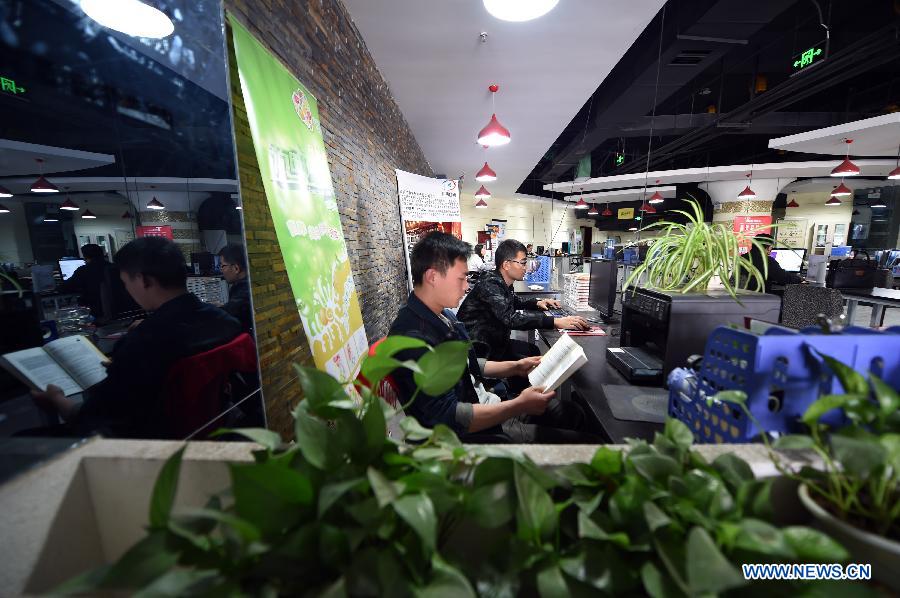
{"x": 9, "y": 86}
{"x": 808, "y": 57}
{"x": 620, "y": 159}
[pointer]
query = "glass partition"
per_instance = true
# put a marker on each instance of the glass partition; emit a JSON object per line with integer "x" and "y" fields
{"x": 106, "y": 138}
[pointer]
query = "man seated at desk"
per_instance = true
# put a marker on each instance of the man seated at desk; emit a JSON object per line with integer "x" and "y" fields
{"x": 128, "y": 403}
{"x": 439, "y": 270}
{"x": 233, "y": 265}
{"x": 490, "y": 309}
{"x": 776, "y": 275}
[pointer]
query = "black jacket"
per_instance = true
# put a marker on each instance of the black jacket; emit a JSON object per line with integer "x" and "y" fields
{"x": 489, "y": 313}
{"x": 415, "y": 319}
{"x": 238, "y": 305}
{"x": 776, "y": 274}
{"x": 128, "y": 403}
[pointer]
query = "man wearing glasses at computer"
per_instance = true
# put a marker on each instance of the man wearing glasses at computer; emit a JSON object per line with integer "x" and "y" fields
{"x": 491, "y": 309}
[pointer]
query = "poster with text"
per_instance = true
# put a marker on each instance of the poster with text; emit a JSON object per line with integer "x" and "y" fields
{"x": 287, "y": 137}
{"x": 792, "y": 232}
{"x": 427, "y": 205}
{"x": 750, "y": 226}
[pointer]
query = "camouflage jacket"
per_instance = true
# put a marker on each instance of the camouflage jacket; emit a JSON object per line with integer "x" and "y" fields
{"x": 489, "y": 313}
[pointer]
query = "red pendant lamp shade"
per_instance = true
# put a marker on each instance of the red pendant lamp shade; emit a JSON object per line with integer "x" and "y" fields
{"x": 656, "y": 197}
{"x": 486, "y": 174}
{"x": 4, "y": 192}
{"x": 155, "y": 204}
{"x": 647, "y": 208}
{"x": 482, "y": 193}
{"x": 493, "y": 134}
{"x": 3, "y": 209}
{"x": 581, "y": 205}
{"x": 593, "y": 211}
{"x": 894, "y": 174}
{"x": 42, "y": 185}
{"x": 747, "y": 193}
{"x": 88, "y": 214}
{"x": 69, "y": 205}
{"x": 793, "y": 203}
{"x": 607, "y": 211}
{"x": 833, "y": 201}
{"x": 481, "y": 204}
{"x": 842, "y": 190}
{"x": 846, "y": 168}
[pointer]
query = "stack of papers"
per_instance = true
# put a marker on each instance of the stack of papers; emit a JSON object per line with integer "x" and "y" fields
{"x": 576, "y": 291}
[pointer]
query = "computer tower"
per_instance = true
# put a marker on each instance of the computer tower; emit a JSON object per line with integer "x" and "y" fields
{"x": 673, "y": 326}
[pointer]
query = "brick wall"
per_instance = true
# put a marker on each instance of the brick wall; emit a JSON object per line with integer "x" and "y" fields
{"x": 367, "y": 138}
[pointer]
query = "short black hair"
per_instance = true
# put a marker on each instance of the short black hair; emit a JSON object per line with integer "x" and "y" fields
{"x": 155, "y": 257}
{"x": 507, "y": 250}
{"x": 438, "y": 251}
{"x": 234, "y": 254}
{"x": 764, "y": 239}
{"x": 477, "y": 249}
{"x": 92, "y": 251}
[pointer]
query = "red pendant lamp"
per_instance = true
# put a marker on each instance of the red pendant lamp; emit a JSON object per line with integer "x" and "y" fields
{"x": 493, "y": 134}
{"x": 482, "y": 193}
{"x": 481, "y": 204}
{"x": 581, "y": 204}
{"x": 846, "y": 168}
{"x": 842, "y": 190}
{"x": 486, "y": 174}
{"x": 42, "y": 185}
{"x": 894, "y": 174}
{"x": 793, "y": 203}
{"x": 88, "y": 214}
{"x": 657, "y": 196}
{"x": 3, "y": 209}
{"x": 747, "y": 193}
{"x": 4, "y": 192}
{"x": 833, "y": 201}
{"x": 593, "y": 211}
{"x": 69, "y": 204}
{"x": 155, "y": 204}
{"x": 647, "y": 208}
{"x": 607, "y": 211}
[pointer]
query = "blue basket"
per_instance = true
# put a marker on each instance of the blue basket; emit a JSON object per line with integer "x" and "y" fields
{"x": 781, "y": 373}
{"x": 542, "y": 273}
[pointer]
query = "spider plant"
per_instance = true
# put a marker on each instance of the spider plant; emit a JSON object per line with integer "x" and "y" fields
{"x": 686, "y": 257}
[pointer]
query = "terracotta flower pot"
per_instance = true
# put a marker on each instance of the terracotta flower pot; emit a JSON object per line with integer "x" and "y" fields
{"x": 865, "y": 548}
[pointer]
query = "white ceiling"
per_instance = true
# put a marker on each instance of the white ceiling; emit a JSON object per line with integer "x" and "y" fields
{"x": 17, "y": 158}
{"x": 438, "y": 70}
{"x": 878, "y": 136}
{"x": 624, "y": 194}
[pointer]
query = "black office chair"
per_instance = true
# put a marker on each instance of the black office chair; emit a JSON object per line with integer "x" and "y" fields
{"x": 802, "y": 305}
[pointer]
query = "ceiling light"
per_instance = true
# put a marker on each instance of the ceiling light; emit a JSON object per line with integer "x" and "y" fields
{"x": 519, "y": 10}
{"x": 793, "y": 203}
{"x": 155, "y": 204}
{"x": 879, "y": 203}
{"x": 3, "y": 209}
{"x": 481, "y": 204}
{"x": 607, "y": 211}
{"x": 633, "y": 228}
{"x": 581, "y": 205}
{"x": 88, "y": 214}
{"x": 846, "y": 168}
{"x": 69, "y": 205}
{"x": 657, "y": 197}
{"x": 51, "y": 217}
{"x": 747, "y": 193}
{"x": 131, "y": 17}
{"x": 42, "y": 185}
{"x": 894, "y": 174}
{"x": 646, "y": 207}
{"x": 238, "y": 207}
{"x": 486, "y": 174}
{"x": 833, "y": 201}
{"x": 4, "y": 192}
{"x": 593, "y": 211}
{"x": 842, "y": 190}
{"x": 494, "y": 133}
{"x": 482, "y": 193}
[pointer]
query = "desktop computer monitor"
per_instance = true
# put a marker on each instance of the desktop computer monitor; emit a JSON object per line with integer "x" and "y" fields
{"x": 789, "y": 259}
{"x": 540, "y": 250}
{"x": 842, "y": 251}
{"x": 564, "y": 247}
{"x": 602, "y": 292}
{"x": 67, "y": 267}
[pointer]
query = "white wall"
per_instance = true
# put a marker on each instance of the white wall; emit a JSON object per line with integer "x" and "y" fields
{"x": 814, "y": 211}
{"x": 15, "y": 246}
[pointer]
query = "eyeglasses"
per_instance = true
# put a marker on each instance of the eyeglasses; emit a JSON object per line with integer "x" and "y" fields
{"x": 522, "y": 263}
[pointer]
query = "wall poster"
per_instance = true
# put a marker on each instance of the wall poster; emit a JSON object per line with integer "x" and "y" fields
{"x": 792, "y": 232}
{"x": 750, "y": 226}
{"x": 287, "y": 137}
{"x": 427, "y": 205}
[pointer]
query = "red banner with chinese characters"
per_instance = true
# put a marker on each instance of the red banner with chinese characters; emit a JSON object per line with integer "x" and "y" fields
{"x": 749, "y": 227}
{"x": 164, "y": 231}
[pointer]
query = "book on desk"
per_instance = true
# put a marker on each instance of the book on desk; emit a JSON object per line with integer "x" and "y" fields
{"x": 73, "y": 363}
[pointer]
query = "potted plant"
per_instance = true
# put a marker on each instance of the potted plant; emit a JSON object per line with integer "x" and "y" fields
{"x": 347, "y": 510}
{"x": 688, "y": 257}
{"x": 854, "y": 495}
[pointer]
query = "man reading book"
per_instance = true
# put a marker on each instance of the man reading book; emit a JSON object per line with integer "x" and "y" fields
{"x": 439, "y": 268}
{"x": 128, "y": 402}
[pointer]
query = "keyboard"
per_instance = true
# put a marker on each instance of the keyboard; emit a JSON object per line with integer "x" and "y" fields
{"x": 564, "y": 312}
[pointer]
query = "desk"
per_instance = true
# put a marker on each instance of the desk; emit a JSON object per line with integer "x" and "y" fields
{"x": 521, "y": 288}
{"x": 587, "y": 384}
{"x": 878, "y": 297}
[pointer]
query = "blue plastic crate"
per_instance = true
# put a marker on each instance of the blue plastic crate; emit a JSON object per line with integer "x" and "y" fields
{"x": 541, "y": 274}
{"x": 782, "y": 374}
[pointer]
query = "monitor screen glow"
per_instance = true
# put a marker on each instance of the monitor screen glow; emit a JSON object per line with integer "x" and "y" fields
{"x": 67, "y": 267}
{"x": 789, "y": 259}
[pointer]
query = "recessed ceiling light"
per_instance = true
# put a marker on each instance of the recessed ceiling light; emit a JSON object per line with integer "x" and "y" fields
{"x": 519, "y": 10}
{"x": 131, "y": 17}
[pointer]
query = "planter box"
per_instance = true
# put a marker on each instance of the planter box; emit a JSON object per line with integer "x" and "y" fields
{"x": 86, "y": 507}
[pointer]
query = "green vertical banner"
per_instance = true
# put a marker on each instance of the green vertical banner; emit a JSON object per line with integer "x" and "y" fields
{"x": 287, "y": 137}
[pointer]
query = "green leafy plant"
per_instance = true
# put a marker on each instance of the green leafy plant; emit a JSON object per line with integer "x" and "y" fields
{"x": 347, "y": 510}
{"x": 686, "y": 257}
{"x": 13, "y": 282}
{"x": 859, "y": 481}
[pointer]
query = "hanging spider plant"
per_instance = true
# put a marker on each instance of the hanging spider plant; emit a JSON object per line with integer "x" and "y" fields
{"x": 686, "y": 257}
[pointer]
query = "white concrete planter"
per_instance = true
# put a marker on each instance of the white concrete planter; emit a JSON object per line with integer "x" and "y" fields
{"x": 864, "y": 547}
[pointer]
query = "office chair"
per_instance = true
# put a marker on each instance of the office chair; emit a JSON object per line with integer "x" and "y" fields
{"x": 802, "y": 304}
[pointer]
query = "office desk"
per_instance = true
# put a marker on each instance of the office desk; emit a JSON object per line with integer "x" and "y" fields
{"x": 587, "y": 384}
{"x": 878, "y": 297}
{"x": 521, "y": 288}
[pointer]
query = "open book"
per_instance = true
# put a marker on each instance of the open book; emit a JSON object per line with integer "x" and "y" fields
{"x": 561, "y": 361}
{"x": 73, "y": 363}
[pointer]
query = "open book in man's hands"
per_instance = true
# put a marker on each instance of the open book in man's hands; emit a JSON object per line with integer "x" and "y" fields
{"x": 560, "y": 362}
{"x": 73, "y": 363}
